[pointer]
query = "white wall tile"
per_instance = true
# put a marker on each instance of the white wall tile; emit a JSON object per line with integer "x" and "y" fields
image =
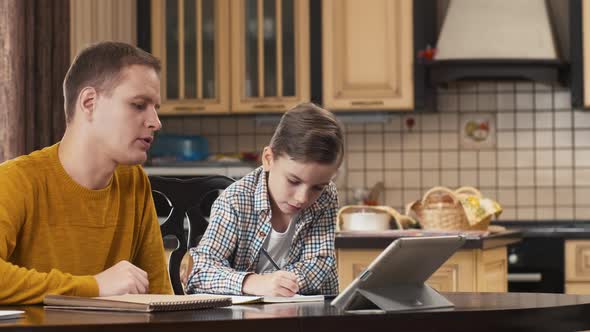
{"x": 564, "y": 157}
{"x": 356, "y": 161}
{"x": 545, "y": 213}
{"x": 393, "y": 160}
{"x": 450, "y": 178}
{"x": 563, "y": 119}
{"x": 543, "y": 101}
{"x": 210, "y": 126}
{"x": 581, "y": 119}
{"x": 582, "y": 158}
{"x": 506, "y": 197}
{"x": 582, "y": 138}
{"x": 430, "y": 122}
{"x": 411, "y": 141}
{"x": 392, "y": 141}
{"x": 431, "y": 160}
{"x": 506, "y": 102}
{"x": 545, "y": 196}
{"x": 373, "y": 178}
{"x": 506, "y": 139}
{"x": 543, "y": 120}
{"x": 228, "y": 126}
{"x": 506, "y": 158}
{"x": 524, "y": 101}
{"x": 544, "y": 158}
{"x": 449, "y": 121}
{"x": 525, "y": 197}
{"x": 246, "y": 143}
{"x": 582, "y": 213}
{"x": 393, "y": 198}
{"x": 355, "y": 142}
{"x": 394, "y": 124}
{"x": 246, "y": 125}
{"x": 564, "y": 197}
{"x": 525, "y": 139}
{"x": 564, "y": 177}
{"x": 544, "y": 177}
{"x": 356, "y": 179}
{"x": 506, "y": 120}
{"x": 449, "y": 141}
{"x": 526, "y": 214}
{"x": 582, "y": 195}
{"x": 525, "y": 177}
{"x": 525, "y": 158}
{"x": 507, "y": 178}
{"x": 467, "y": 102}
{"x": 468, "y": 178}
{"x": 487, "y": 159}
{"x": 411, "y": 179}
{"x": 524, "y": 120}
{"x": 447, "y": 102}
{"x": 544, "y": 139}
{"x": 487, "y": 178}
{"x": 430, "y": 178}
{"x": 431, "y": 141}
{"x": 374, "y": 161}
{"x": 563, "y": 100}
{"x": 509, "y": 213}
{"x": 582, "y": 177}
{"x": 393, "y": 179}
{"x": 374, "y": 142}
{"x": 411, "y": 160}
{"x": 449, "y": 159}
{"x": 564, "y": 213}
{"x": 486, "y": 102}
{"x": 468, "y": 159}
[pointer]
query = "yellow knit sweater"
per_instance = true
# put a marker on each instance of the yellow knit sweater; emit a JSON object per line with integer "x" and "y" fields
{"x": 55, "y": 234}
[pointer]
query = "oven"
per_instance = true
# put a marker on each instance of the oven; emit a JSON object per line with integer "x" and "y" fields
{"x": 536, "y": 264}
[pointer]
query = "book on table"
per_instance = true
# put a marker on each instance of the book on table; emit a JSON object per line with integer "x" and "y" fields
{"x": 136, "y": 302}
{"x": 11, "y": 314}
{"x": 251, "y": 299}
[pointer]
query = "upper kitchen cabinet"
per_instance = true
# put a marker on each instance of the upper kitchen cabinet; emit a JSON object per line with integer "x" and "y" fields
{"x": 368, "y": 55}
{"x": 191, "y": 37}
{"x": 270, "y": 54}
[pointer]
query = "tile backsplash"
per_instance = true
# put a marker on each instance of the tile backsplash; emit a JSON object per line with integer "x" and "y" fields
{"x": 539, "y": 168}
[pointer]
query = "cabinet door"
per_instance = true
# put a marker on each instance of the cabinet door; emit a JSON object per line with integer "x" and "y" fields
{"x": 191, "y": 37}
{"x": 270, "y": 54}
{"x": 577, "y": 260}
{"x": 367, "y": 54}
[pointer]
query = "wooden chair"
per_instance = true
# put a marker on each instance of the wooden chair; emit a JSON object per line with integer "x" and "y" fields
{"x": 191, "y": 198}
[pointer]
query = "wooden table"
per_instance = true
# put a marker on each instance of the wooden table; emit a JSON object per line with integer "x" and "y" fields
{"x": 473, "y": 312}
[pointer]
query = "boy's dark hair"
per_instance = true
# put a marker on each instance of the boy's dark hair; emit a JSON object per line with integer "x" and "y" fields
{"x": 309, "y": 133}
{"x": 100, "y": 66}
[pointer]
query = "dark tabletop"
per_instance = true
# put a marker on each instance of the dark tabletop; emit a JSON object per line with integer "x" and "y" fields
{"x": 380, "y": 240}
{"x": 472, "y": 312}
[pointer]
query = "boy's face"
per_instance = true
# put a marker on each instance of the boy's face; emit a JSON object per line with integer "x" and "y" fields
{"x": 124, "y": 122}
{"x": 294, "y": 185}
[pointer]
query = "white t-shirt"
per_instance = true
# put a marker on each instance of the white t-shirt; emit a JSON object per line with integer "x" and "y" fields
{"x": 277, "y": 246}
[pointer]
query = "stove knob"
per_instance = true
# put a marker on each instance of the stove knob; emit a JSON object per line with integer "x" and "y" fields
{"x": 512, "y": 258}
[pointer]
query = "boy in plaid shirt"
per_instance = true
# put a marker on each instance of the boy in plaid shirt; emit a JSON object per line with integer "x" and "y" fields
{"x": 286, "y": 208}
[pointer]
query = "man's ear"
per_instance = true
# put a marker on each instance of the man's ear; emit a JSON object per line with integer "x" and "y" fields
{"x": 267, "y": 158}
{"x": 87, "y": 101}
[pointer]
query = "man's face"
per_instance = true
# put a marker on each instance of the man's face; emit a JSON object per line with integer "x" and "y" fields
{"x": 124, "y": 122}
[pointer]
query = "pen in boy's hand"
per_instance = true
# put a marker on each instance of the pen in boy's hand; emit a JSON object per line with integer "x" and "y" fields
{"x": 276, "y": 266}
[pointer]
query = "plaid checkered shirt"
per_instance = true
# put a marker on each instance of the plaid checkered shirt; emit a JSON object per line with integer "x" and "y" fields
{"x": 239, "y": 223}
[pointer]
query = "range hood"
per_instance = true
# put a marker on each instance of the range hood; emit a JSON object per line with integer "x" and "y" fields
{"x": 502, "y": 39}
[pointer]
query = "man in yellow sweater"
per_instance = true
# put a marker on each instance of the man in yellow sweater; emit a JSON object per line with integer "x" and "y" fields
{"x": 77, "y": 218}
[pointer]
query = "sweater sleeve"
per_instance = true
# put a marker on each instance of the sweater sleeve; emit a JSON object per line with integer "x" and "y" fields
{"x": 150, "y": 250}
{"x": 19, "y": 285}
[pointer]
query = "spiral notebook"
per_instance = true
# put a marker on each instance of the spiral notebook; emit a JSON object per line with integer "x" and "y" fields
{"x": 136, "y": 302}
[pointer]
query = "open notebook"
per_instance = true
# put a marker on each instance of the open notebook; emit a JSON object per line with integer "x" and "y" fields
{"x": 11, "y": 314}
{"x": 237, "y": 299}
{"x": 136, "y": 302}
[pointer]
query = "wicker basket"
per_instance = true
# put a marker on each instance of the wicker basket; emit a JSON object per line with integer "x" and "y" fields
{"x": 441, "y": 209}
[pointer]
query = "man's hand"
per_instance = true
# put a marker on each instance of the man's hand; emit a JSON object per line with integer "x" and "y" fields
{"x": 122, "y": 278}
{"x": 279, "y": 283}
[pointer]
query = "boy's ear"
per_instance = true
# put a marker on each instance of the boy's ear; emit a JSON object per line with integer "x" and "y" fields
{"x": 87, "y": 100}
{"x": 267, "y": 158}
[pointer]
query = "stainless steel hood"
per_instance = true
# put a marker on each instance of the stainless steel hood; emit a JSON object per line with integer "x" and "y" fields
{"x": 502, "y": 39}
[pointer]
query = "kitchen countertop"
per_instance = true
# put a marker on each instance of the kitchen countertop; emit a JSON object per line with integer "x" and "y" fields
{"x": 380, "y": 240}
{"x": 556, "y": 229}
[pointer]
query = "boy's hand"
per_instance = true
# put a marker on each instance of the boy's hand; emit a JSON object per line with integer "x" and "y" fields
{"x": 122, "y": 278}
{"x": 279, "y": 283}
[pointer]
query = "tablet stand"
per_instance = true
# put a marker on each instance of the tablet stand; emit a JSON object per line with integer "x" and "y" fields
{"x": 403, "y": 297}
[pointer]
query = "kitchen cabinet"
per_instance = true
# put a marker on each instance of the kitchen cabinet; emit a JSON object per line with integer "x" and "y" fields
{"x": 222, "y": 56}
{"x": 367, "y": 55}
{"x": 468, "y": 270}
{"x": 577, "y": 266}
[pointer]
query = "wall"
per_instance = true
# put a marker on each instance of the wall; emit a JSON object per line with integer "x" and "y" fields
{"x": 539, "y": 168}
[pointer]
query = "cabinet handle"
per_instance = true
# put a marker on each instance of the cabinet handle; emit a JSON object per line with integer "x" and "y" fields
{"x": 188, "y": 109}
{"x": 366, "y": 102}
{"x": 266, "y": 106}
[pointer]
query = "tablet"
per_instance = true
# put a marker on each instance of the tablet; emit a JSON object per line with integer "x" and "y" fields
{"x": 395, "y": 280}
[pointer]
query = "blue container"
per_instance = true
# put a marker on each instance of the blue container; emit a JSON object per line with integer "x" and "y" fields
{"x": 179, "y": 148}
